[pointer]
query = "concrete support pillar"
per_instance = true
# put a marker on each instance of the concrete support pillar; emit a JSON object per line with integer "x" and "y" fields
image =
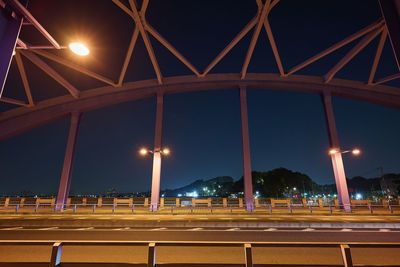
{"x": 240, "y": 202}
{"x": 225, "y": 202}
{"x": 99, "y": 202}
{"x": 8, "y": 40}
{"x": 248, "y": 186}
{"x": 65, "y": 181}
{"x": 155, "y": 186}
{"x": 177, "y": 202}
{"x": 337, "y": 162}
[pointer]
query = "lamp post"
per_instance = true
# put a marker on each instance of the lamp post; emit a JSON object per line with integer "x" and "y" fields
{"x": 336, "y": 153}
{"x": 354, "y": 151}
{"x": 155, "y": 187}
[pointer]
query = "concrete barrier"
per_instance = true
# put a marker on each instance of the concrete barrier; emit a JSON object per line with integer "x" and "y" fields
{"x": 46, "y": 201}
{"x": 125, "y": 201}
{"x": 196, "y": 201}
{"x": 360, "y": 202}
{"x": 280, "y": 201}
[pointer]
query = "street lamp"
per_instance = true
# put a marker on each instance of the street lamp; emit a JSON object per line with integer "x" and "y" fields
{"x": 155, "y": 186}
{"x": 144, "y": 151}
{"x": 79, "y": 49}
{"x": 354, "y": 151}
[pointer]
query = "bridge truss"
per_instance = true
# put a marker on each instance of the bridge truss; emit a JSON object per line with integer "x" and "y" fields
{"x": 30, "y": 114}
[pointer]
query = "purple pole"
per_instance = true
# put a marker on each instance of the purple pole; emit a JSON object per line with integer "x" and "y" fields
{"x": 155, "y": 186}
{"x": 248, "y": 187}
{"x": 337, "y": 162}
{"x": 65, "y": 181}
{"x": 8, "y": 41}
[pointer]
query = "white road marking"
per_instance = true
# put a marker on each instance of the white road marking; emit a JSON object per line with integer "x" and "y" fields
{"x": 85, "y": 228}
{"x": 384, "y": 230}
{"x": 270, "y": 229}
{"x": 158, "y": 229}
{"x": 346, "y": 230}
{"x": 308, "y": 229}
{"x": 232, "y": 229}
{"x": 12, "y": 228}
{"x": 48, "y": 228}
{"x": 195, "y": 229}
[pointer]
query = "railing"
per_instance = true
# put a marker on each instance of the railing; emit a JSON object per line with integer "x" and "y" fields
{"x": 199, "y": 209}
{"x": 247, "y": 260}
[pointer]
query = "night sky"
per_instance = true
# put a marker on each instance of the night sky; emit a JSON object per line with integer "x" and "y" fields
{"x": 202, "y": 129}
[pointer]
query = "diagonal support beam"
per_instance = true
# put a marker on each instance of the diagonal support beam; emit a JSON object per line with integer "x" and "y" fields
{"x": 271, "y": 38}
{"x": 139, "y": 24}
{"x": 74, "y": 66}
{"x": 254, "y": 38}
{"x": 124, "y": 8}
{"x": 51, "y": 72}
{"x": 167, "y": 45}
{"x": 19, "y": 8}
{"x": 13, "y": 101}
{"x": 336, "y": 46}
{"x": 387, "y": 79}
{"x": 377, "y": 56}
{"x": 128, "y": 55}
{"x": 351, "y": 54}
{"x": 231, "y": 45}
{"x": 24, "y": 79}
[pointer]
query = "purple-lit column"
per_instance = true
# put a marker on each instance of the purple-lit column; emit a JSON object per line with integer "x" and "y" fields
{"x": 155, "y": 186}
{"x": 65, "y": 181}
{"x": 337, "y": 162}
{"x": 8, "y": 41}
{"x": 248, "y": 186}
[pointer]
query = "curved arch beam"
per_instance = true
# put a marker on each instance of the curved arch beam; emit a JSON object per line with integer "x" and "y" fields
{"x": 23, "y": 119}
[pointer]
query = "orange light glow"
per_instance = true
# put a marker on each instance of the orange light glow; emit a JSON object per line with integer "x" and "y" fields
{"x": 356, "y": 151}
{"x": 333, "y": 151}
{"x": 165, "y": 151}
{"x": 143, "y": 151}
{"x": 79, "y": 49}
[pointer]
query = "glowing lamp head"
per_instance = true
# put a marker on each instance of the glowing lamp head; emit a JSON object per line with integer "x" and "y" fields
{"x": 333, "y": 151}
{"x": 143, "y": 151}
{"x": 356, "y": 151}
{"x": 79, "y": 49}
{"x": 165, "y": 151}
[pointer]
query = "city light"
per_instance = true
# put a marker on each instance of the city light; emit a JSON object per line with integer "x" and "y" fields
{"x": 165, "y": 151}
{"x": 79, "y": 49}
{"x": 358, "y": 196}
{"x": 143, "y": 151}
{"x": 356, "y": 151}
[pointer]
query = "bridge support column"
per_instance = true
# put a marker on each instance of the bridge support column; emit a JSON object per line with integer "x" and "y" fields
{"x": 337, "y": 161}
{"x": 8, "y": 41}
{"x": 155, "y": 186}
{"x": 248, "y": 186}
{"x": 65, "y": 181}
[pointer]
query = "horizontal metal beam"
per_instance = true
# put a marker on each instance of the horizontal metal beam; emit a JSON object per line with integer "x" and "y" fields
{"x": 22, "y": 119}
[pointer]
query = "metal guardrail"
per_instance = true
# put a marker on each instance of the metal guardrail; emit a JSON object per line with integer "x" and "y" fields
{"x": 345, "y": 250}
{"x": 198, "y": 209}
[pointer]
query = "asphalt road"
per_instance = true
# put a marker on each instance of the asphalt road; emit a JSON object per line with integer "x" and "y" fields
{"x": 200, "y": 234}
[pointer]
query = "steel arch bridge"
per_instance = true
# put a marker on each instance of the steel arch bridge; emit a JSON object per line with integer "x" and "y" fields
{"x": 30, "y": 115}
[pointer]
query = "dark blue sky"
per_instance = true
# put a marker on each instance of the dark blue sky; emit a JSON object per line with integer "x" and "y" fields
{"x": 202, "y": 129}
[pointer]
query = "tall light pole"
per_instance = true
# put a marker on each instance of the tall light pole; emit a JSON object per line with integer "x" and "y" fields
{"x": 155, "y": 186}
{"x": 336, "y": 154}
